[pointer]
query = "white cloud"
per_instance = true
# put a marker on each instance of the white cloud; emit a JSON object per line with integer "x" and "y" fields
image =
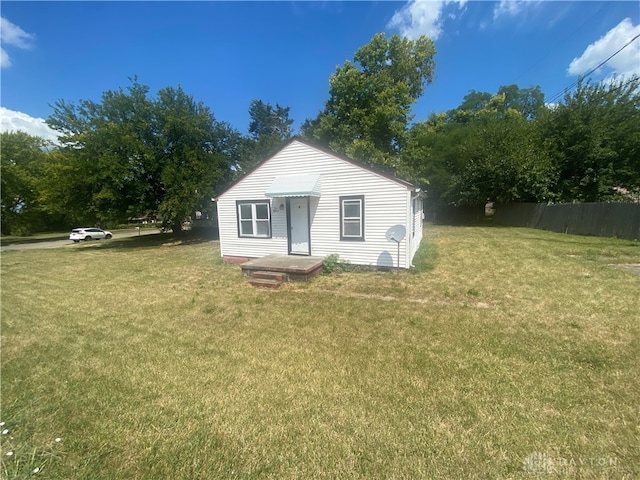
{"x": 512, "y": 7}
{"x": 627, "y": 62}
{"x": 4, "y": 59}
{"x": 422, "y": 17}
{"x": 11, "y": 121}
{"x": 13, "y": 35}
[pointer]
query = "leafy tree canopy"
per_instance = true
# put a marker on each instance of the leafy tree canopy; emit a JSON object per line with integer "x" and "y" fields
{"x": 510, "y": 147}
{"x": 267, "y": 120}
{"x": 593, "y": 139}
{"x": 484, "y": 150}
{"x": 269, "y": 130}
{"x": 494, "y": 159}
{"x": 23, "y": 158}
{"x": 528, "y": 102}
{"x": 138, "y": 154}
{"x": 369, "y": 106}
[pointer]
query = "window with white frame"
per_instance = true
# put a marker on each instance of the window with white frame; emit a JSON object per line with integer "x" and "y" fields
{"x": 352, "y": 217}
{"x": 254, "y": 218}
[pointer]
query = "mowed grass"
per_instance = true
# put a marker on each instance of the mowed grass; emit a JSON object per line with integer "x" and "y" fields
{"x": 510, "y": 353}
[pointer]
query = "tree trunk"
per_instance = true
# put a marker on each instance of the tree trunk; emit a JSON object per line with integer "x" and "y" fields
{"x": 177, "y": 228}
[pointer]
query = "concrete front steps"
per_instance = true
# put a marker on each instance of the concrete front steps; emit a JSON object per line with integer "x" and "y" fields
{"x": 264, "y": 279}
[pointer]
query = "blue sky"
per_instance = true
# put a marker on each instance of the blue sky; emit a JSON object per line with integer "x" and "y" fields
{"x": 226, "y": 54}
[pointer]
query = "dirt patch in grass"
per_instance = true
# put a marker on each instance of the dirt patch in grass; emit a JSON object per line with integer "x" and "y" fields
{"x": 388, "y": 298}
{"x": 629, "y": 267}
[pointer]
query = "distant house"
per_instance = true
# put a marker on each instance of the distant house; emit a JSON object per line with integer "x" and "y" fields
{"x": 306, "y": 200}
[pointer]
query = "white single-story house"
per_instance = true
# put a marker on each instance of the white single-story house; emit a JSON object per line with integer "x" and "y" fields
{"x": 306, "y": 200}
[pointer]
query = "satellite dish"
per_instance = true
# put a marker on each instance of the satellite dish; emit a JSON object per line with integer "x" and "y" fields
{"x": 396, "y": 233}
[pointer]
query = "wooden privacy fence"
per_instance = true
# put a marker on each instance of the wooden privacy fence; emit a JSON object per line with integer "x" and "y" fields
{"x": 620, "y": 220}
{"x": 450, "y": 215}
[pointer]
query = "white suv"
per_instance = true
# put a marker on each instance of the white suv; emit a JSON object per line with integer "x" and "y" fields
{"x": 78, "y": 234}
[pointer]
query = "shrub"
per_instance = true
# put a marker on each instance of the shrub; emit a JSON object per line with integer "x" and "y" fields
{"x": 333, "y": 264}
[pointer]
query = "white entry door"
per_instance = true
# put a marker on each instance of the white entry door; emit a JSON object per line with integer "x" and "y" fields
{"x": 299, "y": 225}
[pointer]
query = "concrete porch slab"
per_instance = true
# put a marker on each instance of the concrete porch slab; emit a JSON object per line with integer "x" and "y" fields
{"x": 300, "y": 268}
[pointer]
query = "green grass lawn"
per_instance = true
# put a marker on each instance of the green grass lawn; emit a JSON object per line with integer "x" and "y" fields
{"x": 509, "y": 353}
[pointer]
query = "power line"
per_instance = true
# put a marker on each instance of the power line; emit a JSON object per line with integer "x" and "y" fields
{"x": 558, "y": 95}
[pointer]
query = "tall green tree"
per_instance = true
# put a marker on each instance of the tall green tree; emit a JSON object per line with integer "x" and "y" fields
{"x": 133, "y": 154}
{"x": 432, "y": 154}
{"x": 23, "y": 158}
{"x": 472, "y": 104}
{"x": 191, "y": 168}
{"x": 269, "y": 130}
{"x": 370, "y": 99}
{"x": 484, "y": 150}
{"x": 267, "y": 120}
{"x": 592, "y": 137}
{"x": 65, "y": 190}
{"x": 528, "y": 102}
{"x": 110, "y": 150}
{"x": 499, "y": 160}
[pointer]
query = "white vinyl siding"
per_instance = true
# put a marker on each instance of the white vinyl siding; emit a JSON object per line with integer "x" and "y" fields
{"x": 385, "y": 203}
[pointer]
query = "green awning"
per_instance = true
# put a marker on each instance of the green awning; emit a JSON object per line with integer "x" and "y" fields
{"x": 294, "y": 186}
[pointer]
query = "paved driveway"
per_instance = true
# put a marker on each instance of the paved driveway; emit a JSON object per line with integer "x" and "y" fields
{"x": 68, "y": 243}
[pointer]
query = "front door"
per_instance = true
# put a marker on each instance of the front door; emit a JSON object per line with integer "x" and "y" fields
{"x": 299, "y": 226}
